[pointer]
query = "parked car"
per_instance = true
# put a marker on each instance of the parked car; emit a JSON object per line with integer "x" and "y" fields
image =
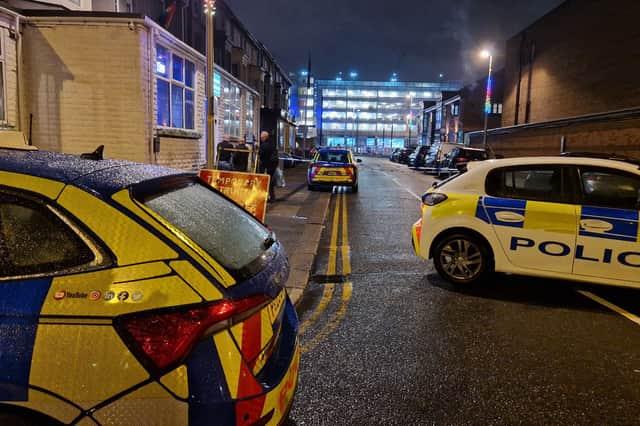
{"x": 395, "y": 154}
{"x": 135, "y": 294}
{"x": 416, "y": 160}
{"x": 403, "y": 156}
{"x": 573, "y": 218}
{"x": 458, "y": 158}
{"x": 333, "y": 167}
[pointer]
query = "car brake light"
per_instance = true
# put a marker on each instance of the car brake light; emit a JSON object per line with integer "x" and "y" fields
{"x": 433, "y": 198}
{"x": 461, "y": 159}
{"x": 162, "y": 339}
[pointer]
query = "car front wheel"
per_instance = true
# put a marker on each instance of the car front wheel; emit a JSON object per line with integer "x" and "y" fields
{"x": 462, "y": 258}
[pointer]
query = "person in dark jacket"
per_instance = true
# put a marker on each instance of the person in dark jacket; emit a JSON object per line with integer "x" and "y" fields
{"x": 268, "y": 156}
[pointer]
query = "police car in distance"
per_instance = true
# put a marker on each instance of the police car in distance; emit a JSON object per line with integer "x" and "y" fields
{"x": 333, "y": 166}
{"x": 133, "y": 294}
{"x": 572, "y": 217}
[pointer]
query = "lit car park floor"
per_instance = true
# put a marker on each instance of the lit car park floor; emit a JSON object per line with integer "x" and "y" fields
{"x": 392, "y": 343}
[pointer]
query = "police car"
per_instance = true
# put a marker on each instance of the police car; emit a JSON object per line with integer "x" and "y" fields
{"x": 571, "y": 217}
{"x": 331, "y": 167}
{"x": 132, "y": 294}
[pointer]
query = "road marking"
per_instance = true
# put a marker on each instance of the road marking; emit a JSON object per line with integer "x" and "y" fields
{"x": 346, "y": 249}
{"x": 407, "y": 189}
{"x": 327, "y": 294}
{"x": 617, "y": 309}
{"x": 330, "y": 327}
{"x": 331, "y": 266}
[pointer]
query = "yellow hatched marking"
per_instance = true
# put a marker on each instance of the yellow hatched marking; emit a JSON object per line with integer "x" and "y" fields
{"x": 117, "y": 230}
{"x": 237, "y": 331}
{"x": 327, "y": 294}
{"x": 92, "y": 364}
{"x": 149, "y": 405}
{"x": 266, "y": 325}
{"x": 46, "y": 187}
{"x": 176, "y": 236}
{"x": 231, "y": 361}
{"x": 333, "y": 323}
{"x": 346, "y": 249}
{"x": 49, "y": 405}
{"x": 331, "y": 266}
{"x": 177, "y": 381}
{"x": 198, "y": 281}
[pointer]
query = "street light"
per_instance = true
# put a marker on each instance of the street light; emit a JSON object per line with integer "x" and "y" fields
{"x": 210, "y": 12}
{"x": 410, "y": 96}
{"x": 487, "y": 104}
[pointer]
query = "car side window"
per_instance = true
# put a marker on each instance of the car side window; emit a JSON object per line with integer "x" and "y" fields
{"x": 535, "y": 183}
{"x": 34, "y": 240}
{"x": 610, "y": 188}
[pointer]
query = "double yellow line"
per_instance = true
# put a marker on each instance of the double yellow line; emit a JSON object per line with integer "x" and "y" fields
{"x": 339, "y": 245}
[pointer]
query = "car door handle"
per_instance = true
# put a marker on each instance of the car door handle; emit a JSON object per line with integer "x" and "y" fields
{"x": 509, "y": 217}
{"x": 595, "y": 225}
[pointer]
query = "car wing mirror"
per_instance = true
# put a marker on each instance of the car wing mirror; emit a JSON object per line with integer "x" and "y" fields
{"x": 358, "y": 160}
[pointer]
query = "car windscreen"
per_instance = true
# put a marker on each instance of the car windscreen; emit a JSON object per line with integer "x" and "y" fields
{"x": 334, "y": 156}
{"x": 228, "y": 233}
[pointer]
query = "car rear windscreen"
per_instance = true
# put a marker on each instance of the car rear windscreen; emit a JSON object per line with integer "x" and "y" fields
{"x": 228, "y": 233}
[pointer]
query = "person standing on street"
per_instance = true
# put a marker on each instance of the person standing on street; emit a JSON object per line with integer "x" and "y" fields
{"x": 268, "y": 155}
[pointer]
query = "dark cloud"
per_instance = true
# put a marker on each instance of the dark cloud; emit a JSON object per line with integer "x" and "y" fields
{"x": 416, "y": 38}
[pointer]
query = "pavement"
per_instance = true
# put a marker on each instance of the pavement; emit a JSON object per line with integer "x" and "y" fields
{"x": 297, "y": 217}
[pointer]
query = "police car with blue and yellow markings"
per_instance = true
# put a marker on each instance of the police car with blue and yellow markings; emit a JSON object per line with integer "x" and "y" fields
{"x": 572, "y": 217}
{"x": 132, "y": 294}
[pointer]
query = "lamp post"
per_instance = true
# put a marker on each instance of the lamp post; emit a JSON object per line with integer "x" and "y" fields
{"x": 210, "y": 13}
{"x": 487, "y": 104}
{"x": 355, "y": 113}
{"x": 410, "y": 96}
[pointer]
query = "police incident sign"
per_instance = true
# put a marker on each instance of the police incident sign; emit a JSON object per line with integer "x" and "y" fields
{"x": 249, "y": 190}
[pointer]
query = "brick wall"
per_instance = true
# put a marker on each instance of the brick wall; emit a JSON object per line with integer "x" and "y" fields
{"x": 83, "y": 86}
{"x": 586, "y": 60}
{"x": 614, "y": 136}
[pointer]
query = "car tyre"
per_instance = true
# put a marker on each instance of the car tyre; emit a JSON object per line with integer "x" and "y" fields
{"x": 462, "y": 258}
{"x": 311, "y": 187}
{"x": 13, "y": 416}
{"x": 354, "y": 188}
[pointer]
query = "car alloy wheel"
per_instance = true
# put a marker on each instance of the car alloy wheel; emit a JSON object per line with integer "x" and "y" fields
{"x": 461, "y": 258}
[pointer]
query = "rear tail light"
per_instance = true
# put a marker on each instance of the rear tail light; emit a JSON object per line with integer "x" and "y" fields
{"x": 461, "y": 160}
{"x": 162, "y": 339}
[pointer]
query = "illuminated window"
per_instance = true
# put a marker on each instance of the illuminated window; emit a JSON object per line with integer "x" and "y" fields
{"x": 175, "y": 84}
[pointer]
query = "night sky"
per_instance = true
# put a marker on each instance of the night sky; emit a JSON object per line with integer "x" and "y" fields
{"x": 418, "y": 39}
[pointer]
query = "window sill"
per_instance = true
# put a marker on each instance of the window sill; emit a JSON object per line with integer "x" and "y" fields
{"x": 178, "y": 133}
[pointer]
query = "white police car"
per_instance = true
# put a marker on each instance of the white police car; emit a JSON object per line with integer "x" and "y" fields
{"x": 570, "y": 217}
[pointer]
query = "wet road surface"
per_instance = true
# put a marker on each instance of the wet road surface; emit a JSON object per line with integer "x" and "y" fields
{"x": 386, "y": 341}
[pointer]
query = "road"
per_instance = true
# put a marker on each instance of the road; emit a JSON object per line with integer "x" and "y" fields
{"x": 385, "y": 341}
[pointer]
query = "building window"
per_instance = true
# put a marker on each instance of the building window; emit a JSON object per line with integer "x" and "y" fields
{"x": 231, "y": 105}
{"x": 496, "y": 109}
{"x": 249, "y": 117}
{"x": 455, "y": 109}
{"x": 175, "y": 82}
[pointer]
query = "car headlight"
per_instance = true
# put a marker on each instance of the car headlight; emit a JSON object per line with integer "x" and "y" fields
{"x": 433, "y": 198}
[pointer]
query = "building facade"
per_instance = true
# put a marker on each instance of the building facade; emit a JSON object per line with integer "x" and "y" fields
{"x": 463, "y": 111}
{"x": 571, "y": 82}
{"x": 167, "y": 68}
{"x": 372, "y": 116}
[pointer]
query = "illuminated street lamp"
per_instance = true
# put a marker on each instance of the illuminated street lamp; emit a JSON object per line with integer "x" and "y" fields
{"x": 487, "y": 104}
{"x": 210, "y": 12}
